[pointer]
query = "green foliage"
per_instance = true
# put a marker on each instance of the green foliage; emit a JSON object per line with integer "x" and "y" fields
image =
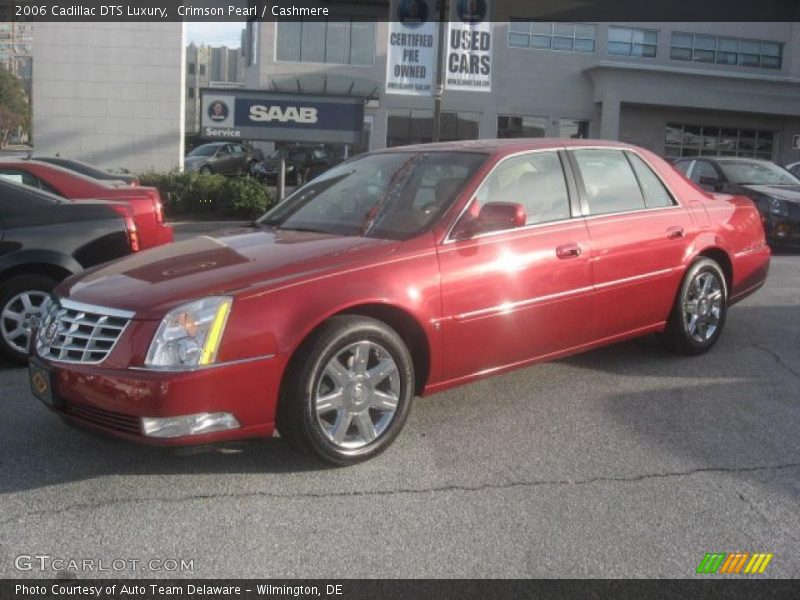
{"x": 210, "y": 196}
{"x": 15, "y": 110}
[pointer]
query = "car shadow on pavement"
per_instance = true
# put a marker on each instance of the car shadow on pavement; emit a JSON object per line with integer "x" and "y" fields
{"x": 734, "y": 407}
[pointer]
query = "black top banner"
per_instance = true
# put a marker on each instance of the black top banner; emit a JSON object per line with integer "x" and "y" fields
{"x": 407, "y": 589}
{"x": 295, "y": 10}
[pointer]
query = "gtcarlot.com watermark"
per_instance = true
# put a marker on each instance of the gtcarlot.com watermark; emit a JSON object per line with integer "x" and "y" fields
{"x": 49, "y": 563}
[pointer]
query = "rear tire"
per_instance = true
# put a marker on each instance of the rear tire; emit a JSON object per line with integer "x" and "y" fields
{"x": 348, "y": 391}
{"x": 700, "y": 310}
{"x": 20, "y": 300}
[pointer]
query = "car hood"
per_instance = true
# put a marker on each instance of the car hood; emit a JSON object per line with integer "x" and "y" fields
{"x": 227, "y": 262}
{"x": 790, "y": 193}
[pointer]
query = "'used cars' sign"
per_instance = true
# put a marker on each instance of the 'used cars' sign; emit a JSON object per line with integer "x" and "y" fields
{"x": 469, "y": 47}
{"x": 252, "y": 115}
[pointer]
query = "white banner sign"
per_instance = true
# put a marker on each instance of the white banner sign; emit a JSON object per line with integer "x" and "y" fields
{"x": 411, "y": 51}
{"x": 469, "y": 47}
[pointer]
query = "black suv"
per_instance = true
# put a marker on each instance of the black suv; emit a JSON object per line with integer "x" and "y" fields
{"x": 303, "y": 163}
{"x": 775, "y": 191}
{"x": 43, "y": 240}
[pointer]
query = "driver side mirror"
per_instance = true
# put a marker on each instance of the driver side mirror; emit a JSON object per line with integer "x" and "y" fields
{"x": 494, "y": 216}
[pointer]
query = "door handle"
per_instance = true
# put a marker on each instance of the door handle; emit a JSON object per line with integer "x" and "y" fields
{"x": 675, "y": 233}
{"x": 568, "y": 251}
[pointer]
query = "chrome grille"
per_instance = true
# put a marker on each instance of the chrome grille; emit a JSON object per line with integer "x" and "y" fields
{"x": 74, "y": 332}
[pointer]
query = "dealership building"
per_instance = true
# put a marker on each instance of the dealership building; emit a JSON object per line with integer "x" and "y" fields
{"x": 678, "y": 89}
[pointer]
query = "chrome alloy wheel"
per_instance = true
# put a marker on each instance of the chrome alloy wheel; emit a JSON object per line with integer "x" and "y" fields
{"x": 19, "y": 316}
{"x": 357, "y": 395}
{"x": 702, "y": 307}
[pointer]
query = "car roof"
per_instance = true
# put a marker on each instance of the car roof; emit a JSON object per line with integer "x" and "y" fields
{"x": 509, "y": 145}
{"x": 731, "y": 158}
{"x": 12, "y": 162}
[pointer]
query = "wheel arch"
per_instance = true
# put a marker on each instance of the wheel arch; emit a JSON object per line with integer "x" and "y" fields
{"x": 57, "y": 271}
{"x": 401, "y": 320}
{"x": 723, "y": 259}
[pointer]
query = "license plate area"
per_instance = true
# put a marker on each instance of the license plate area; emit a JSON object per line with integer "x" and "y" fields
{"x": 41, "y": 378}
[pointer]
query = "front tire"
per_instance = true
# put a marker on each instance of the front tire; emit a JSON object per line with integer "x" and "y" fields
{"x": 700, "y": 310}
{"x": 348, "y": 392}
{"x": 206, "y": 170}
{"x": 21, "y": 299}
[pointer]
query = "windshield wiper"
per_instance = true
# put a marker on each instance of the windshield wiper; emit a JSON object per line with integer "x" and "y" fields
{"x": 306, "y": 229}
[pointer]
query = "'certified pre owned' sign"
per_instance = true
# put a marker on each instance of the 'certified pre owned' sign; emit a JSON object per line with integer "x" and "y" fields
{"x": 235, "y": 114}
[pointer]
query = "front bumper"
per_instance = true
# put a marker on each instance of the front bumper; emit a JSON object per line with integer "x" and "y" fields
{"x": 113, "y": 401}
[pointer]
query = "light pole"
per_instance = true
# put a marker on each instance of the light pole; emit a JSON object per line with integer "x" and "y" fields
{"x": 439, "y": 91}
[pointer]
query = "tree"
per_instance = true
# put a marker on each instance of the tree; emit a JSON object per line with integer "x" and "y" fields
{"x": 15, "y": 110}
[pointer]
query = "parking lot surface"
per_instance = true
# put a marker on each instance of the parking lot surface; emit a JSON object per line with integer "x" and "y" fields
{"x": 622, "y": 462}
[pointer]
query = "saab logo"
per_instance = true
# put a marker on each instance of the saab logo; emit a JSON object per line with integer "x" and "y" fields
{"x": 218, "y": 111}
{"x": 298, "y": 114}
{"x": 732, "y": 562}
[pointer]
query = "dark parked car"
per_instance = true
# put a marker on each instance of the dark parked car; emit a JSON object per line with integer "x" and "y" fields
{"x": 223, "y": 158}
{"x": 775, "y": 191}
{"x": 43, "y": 240}
{"x": 88, "y": 170}
{"x": 303, "y": 163}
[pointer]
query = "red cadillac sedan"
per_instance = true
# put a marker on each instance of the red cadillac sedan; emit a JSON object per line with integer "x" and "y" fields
{"x": 399, "y": 273}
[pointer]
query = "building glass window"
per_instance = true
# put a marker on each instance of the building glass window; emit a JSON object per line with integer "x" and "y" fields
{"x": 566, "y": 37}
{"x": 191, "y": 92}
{"x": 628, "y": 41}
{"x": 407, "y": 126}
{"x": 573, "y": 128}
{"x": 514, "y": 126}
{"x": 713, "y": 49}
{"x": 460, "y": 126}
{"x": 202, "y": 69}
{"x": 335, "y": 41}
{"x": 707, "y": 140}
{"x": 191, "y": 68}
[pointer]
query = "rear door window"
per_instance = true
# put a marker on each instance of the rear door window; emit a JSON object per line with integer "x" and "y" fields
{"x": 655, "y": 194}
{"x": 609, "y": 181}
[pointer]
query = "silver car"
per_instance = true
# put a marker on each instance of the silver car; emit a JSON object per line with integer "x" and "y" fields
{"x": 224, "y": 158}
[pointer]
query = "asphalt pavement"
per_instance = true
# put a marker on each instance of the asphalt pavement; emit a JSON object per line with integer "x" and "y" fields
{"x": 621, "y": 462}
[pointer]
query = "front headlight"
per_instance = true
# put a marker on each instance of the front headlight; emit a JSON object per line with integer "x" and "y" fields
{"x": 778, "y": 207}
{"x": 189, "y": 335}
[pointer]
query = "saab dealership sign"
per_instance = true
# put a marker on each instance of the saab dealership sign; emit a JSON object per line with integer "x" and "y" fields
{"x": 411, "y": 48}
{"x": 468, "y": 65}
{"x": 253, "y": 115}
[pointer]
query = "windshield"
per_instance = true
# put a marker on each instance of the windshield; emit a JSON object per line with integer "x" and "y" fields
{"x": 203, "y": 151}
{"x": 394, "y": 195}
{"x": 277, "y": 153}
{"x": 754, "y": 172}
